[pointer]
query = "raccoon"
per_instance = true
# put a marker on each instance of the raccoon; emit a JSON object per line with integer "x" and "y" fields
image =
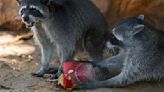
{"x": 59, "y": 26}
{"x": 143, "y": 58}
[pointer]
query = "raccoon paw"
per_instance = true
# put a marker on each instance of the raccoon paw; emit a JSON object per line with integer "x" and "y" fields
{"x": 52, "y": 70}
{"x": 37, "y": 75}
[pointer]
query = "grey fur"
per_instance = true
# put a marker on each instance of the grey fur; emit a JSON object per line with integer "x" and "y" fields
{"x": 143, "y": 58}
{"x": 62, "y": 24}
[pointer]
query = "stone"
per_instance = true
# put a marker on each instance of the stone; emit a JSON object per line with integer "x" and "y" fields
{"x": 116, "y": 10}
{"x": 9, "y": 17}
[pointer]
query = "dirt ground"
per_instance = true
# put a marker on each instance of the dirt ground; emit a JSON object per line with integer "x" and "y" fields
{"x": 20, "y": 57}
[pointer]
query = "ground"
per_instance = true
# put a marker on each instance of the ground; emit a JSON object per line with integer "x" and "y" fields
{"x": 19, "y": 57}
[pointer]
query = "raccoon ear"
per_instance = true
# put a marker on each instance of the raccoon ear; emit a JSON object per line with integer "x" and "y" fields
{"x": 138, "y": 28}
{"x": 141, "y": 17}
{"x": 19, "y": 1}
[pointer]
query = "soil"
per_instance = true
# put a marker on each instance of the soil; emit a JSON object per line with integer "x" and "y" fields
{"x": 19, "y": 57}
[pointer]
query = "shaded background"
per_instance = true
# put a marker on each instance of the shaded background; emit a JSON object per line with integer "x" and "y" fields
{"x": 113, "y": 10}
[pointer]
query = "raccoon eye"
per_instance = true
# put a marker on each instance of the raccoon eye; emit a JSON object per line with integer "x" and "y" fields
{"x": 36, "y": 13}
{"x": 34, "y": 10}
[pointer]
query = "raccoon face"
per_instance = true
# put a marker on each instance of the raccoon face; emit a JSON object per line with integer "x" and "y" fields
{"x": 127, "y": 29}
{"x": 33, "y": 11}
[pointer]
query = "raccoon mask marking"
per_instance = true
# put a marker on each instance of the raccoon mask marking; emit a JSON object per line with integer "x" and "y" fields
{"x": 33, "y": 13}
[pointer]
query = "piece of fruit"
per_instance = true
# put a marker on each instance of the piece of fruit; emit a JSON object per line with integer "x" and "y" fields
{"x": 75, "y": 73}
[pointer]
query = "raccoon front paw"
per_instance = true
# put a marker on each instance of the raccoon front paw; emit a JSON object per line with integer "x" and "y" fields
{"x": 40, "y": 73}
{"x": 52, "y": 70}
{"x": 37, "y": 75}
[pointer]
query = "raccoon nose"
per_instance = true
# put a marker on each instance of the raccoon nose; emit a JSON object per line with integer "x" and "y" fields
{"x": 26, "y": 18}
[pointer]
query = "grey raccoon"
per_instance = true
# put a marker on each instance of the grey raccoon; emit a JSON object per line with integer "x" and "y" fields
{"x": 59, "y": 25}
{"x": 143, "y": 58}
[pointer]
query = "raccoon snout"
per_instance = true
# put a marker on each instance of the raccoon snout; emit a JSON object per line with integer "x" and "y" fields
{"x": 26, "y": 18}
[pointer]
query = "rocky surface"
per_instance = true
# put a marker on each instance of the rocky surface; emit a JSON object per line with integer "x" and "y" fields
{"x": 116, "y": 10}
